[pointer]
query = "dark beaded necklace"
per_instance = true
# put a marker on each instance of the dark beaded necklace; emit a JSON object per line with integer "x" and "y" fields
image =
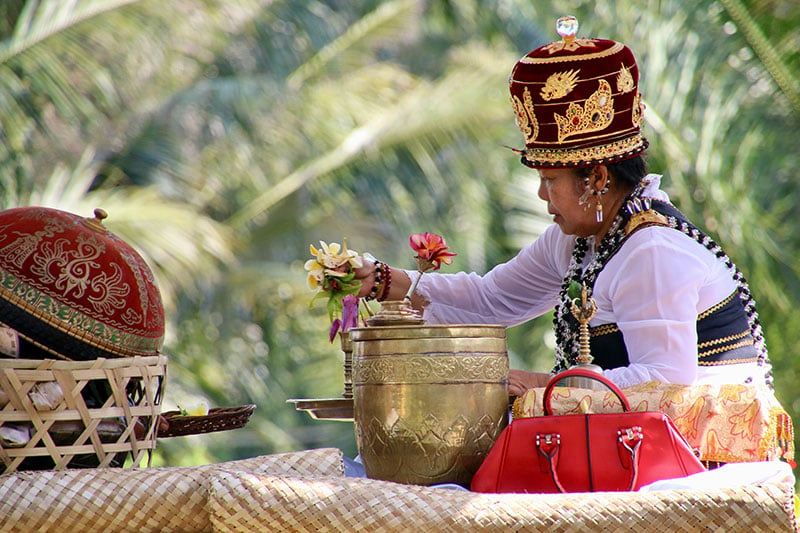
{"x": 565, "y": 325}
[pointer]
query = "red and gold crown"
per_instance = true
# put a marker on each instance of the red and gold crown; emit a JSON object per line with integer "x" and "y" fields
{"x": 577, "y": 101}
{"x": 72, "y": 288}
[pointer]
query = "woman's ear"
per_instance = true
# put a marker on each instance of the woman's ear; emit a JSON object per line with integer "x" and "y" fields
{"x": 600, "y": 178}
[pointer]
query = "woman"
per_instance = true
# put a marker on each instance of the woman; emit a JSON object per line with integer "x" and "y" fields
{"x": 671, "y": 306}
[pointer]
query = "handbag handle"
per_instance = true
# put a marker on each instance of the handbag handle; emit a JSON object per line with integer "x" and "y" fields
{"x": 579, "y": 372}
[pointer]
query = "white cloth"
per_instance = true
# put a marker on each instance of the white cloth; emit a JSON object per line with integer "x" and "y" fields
{"x": 653, "y": 289}
{"x": 729, "y": 476}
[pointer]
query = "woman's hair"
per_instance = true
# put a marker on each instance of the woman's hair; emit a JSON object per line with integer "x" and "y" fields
{"x": 630, "y": 171}
{"x": 627, "y": 173}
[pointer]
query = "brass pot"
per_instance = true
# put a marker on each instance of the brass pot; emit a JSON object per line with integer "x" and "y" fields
{"x": 429, "y": 401}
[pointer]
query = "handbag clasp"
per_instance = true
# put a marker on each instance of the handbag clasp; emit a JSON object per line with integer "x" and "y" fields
{"x": 631, "y": 434}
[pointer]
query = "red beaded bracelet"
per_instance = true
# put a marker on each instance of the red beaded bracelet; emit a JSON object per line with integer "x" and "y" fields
{"x": 387, "y": 282}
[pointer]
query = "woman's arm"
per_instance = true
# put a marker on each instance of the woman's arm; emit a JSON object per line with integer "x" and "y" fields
{"x": 511, "y": 293}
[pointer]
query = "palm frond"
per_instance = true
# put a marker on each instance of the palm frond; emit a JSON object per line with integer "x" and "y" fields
{"x": 786, "y": 78}
{"x": 182, "y": 246}
{"x": 388, "y": 19}
{"x": 42, "y": 19}
{"x": 425, "y": 109}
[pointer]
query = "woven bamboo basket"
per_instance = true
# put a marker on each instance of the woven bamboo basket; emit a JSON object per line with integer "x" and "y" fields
{"x": 79, "y": 414}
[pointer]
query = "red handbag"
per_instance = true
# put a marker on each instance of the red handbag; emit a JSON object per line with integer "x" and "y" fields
{"x": 585, "y": 452}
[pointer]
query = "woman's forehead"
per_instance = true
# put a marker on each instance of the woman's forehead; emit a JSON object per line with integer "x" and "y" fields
{"x": 553, "y": 173}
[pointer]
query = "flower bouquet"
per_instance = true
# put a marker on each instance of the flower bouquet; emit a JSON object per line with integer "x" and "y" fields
{"x": 331, "y": 272}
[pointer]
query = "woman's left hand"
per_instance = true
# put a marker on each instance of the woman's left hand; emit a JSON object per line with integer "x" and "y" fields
{"x": 519, "y": 381}
{"x": 366, "y": 275}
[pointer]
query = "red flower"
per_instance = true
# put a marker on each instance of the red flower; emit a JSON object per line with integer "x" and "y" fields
{"x": 431, "y": 250}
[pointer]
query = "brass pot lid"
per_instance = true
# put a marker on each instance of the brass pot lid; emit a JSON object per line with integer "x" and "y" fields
{"x": 428, "y": 331}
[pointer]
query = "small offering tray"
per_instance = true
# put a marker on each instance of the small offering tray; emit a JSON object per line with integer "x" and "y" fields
{"x": 217, "y": 419}
{"x": 326, "y": 408}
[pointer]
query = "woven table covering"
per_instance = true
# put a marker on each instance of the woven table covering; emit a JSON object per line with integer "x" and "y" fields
{"x": 137, "y": 500}
{"x": 248, "y": 502}
{"x": 307, "y": 491}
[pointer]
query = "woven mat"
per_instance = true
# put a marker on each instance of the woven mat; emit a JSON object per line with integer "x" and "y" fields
{"x": 136, "y": 500}
{"x": 306, "y": 491}
{"x": 248, "y": 502}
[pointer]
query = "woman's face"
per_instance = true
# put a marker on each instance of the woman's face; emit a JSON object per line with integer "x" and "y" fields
{"x": 562, "y": 189}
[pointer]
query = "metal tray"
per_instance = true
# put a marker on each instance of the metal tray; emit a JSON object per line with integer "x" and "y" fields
{"x": 326, "y": 408}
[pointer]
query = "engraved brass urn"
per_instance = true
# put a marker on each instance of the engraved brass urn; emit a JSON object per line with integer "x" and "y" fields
{"x": 429, "y": 401}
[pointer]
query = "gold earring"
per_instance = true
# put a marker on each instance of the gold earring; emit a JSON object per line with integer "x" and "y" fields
{"x": 598, "y": 215}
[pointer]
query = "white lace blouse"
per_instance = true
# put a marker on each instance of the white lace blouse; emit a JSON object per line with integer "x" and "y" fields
{"x": 653, "y": 289}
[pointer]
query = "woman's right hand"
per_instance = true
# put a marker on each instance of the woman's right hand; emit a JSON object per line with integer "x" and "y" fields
{"x": 519, "y": 381}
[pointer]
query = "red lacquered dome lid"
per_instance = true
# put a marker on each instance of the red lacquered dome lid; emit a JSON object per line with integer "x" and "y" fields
{"x": 74, "y": 289}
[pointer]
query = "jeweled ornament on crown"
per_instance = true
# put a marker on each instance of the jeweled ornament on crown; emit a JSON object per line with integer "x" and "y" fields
{"x": 567, "y": 27}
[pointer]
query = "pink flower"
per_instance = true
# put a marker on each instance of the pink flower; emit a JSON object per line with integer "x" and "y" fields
{"x": 431, "y": 250}
{"x": 349, "y": 316}
{"x": 431, "y": 253}
{"x": 349, "y": 312}
{"x": 336, "y": 323}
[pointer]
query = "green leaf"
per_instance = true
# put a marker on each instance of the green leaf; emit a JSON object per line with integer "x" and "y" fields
{"x": 574, "y": 290}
